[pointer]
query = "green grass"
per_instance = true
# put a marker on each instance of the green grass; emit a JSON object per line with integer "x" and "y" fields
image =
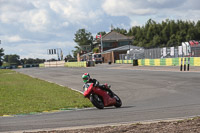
{"x": 21, "y": 94}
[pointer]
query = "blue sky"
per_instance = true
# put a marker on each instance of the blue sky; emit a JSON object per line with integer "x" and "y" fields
{"x": 30, "y": 27}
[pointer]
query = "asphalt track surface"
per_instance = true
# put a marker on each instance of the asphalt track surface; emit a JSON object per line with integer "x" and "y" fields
{"x": 145, "y": 94}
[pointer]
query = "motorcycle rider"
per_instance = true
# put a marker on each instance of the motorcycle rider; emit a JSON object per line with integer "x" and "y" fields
{"x": 86, "y": 79}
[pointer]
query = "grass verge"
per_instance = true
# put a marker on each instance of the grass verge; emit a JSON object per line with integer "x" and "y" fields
{"x": 21, "y": 94}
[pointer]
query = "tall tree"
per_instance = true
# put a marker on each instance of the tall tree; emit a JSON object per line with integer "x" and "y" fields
{"x": 167, "y": 33}
{"x": 198, "y": 30}
{"x": 102, "y": 33}
{"x": 5, "y": 58}
{"x": 83, "y": 37}
{"x": 121, "y": 31}
{"x": 156, "y": 41}
{"x": 12, "y": 59}
{"x": 172, "y": 41}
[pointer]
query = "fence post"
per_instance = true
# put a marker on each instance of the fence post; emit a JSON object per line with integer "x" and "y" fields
{"x": 188, "y": 68}
{"x": 135, "y": 62}
{"x": 185, "y": 65}
{"x": 181, "y": 67}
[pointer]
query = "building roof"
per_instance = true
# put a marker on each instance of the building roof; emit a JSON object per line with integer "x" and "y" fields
{"x": 115, "y": 36}
{"x": 86, "y": 54}
{"x": 123, "y": 48}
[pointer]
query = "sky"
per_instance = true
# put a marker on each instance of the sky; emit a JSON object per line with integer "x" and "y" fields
{"x": 29, "y": 27}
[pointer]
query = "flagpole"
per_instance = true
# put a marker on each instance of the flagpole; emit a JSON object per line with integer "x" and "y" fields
{"x": 101, "y": 44}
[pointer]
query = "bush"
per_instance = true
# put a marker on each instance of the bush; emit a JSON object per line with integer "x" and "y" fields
{"x": 72, "y": 60}
{"x": 95, "y": 50}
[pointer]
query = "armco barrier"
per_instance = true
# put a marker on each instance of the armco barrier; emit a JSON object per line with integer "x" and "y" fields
{"x": 67, "y": 64}
{"x": 76, "y": 64}
{"x": 194, "y": 61}
{"x": 117, "y": 61}
{"x": 41, "y": 65}
{"x": 54, "y": 64}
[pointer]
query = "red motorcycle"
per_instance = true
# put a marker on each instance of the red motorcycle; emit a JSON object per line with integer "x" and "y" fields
{"x": 101, "y": 98}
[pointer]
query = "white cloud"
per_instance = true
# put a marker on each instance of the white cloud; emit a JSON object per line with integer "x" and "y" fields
{"x": 65, "y": 24}
{"x": 135, "y": 23}
{"x": 34, "y": 26}
{"x": 190, "y": 5}
{"x": 36, "y": 20}
{"x": 157, "y": 1}
{"x": 126, "y": 8}
{"x": 142, "y": 10}
{"x": 10, "y": 11}
{"x": 12, "y": 39}
{"x": 73, "y": 11}
{"x": 39, "y": 50}
{"x": 138, "y": 7}
{"x": 26, "y": 14}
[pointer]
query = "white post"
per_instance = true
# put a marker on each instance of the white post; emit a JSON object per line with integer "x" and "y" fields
{"x": 101, "y": 45}
{"x": 58, "y": 53}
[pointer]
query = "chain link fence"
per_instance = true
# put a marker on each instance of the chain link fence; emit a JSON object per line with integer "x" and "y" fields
{"x": 167, "y": 52}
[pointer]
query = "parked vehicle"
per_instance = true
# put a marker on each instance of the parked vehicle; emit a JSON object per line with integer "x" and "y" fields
{"x": 97, "y": 58}
{"x": 101, "y": 98}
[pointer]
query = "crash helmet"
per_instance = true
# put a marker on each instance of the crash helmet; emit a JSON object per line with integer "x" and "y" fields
{"x": 86, "y": 77}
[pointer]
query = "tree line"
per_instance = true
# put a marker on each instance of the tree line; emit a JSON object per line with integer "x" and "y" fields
{"x": 165, "y": 34}
{"x": 14, "y": 59}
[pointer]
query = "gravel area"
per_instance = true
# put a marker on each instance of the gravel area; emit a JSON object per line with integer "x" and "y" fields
{"x": 181, "y": 126}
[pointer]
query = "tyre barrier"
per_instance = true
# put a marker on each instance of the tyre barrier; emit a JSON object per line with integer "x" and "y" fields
{"x": 192, "y": 61}
{"x": 77, "y": 64}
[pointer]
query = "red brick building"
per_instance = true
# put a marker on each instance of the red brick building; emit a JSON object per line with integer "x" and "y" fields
{"x": 113, "y": 44}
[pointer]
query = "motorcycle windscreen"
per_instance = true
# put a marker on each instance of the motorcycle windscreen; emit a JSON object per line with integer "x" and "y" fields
{"x": 88, "y": 90}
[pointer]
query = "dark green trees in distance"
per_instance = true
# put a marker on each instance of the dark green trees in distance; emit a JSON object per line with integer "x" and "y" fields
{"x": 168, "y": 33}
{"x": 82, "y": 37}
{"x": 1, "y": 55}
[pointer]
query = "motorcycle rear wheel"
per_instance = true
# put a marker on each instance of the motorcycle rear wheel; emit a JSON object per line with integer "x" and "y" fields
{"x": 118, "y": 101}
{"x": 97, "y": 101}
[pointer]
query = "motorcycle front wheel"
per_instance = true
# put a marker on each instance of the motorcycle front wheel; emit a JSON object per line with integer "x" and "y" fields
{"x": 97, "y": 101}
{"x": 118, "y": 101}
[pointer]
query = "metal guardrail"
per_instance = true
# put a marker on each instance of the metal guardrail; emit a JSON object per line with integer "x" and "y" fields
{"x": 166, "y": 52}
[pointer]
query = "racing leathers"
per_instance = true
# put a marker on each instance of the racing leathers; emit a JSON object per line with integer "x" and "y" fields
{"x": 102, "y": 87}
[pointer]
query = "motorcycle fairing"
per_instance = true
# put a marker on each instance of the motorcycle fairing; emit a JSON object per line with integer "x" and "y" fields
{"x": 106, "y": 98}
{"x": 88, "y": 90}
